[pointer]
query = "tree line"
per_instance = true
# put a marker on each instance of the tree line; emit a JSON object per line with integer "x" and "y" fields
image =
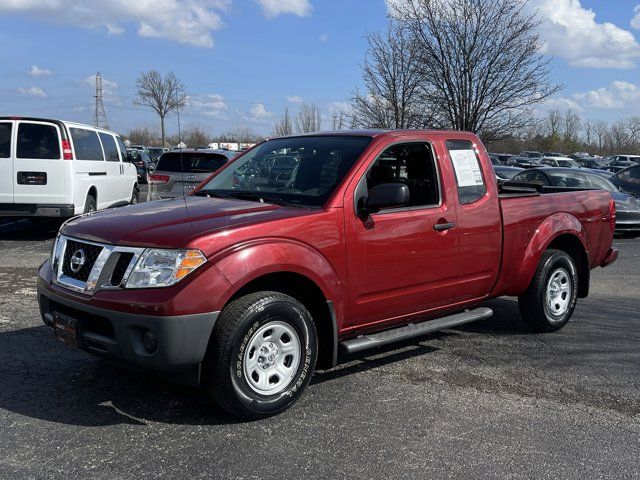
{"x": 566, "y": 132}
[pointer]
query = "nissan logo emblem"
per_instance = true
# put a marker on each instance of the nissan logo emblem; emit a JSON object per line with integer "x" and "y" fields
{"x": 77, "y": 260}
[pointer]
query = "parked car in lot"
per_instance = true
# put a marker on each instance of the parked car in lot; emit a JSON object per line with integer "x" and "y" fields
{"x": 530, "y": 154}
{"x": 504, "y": 172}
{"x": 627, "y": 207}
{"x": 143, "y": 163}
{"x": 525, "y": 162}
{"x": 180, "y": 172}
{"x": 247, "y": 286}
{"x": 494, "y": 159}
{"x": 155, "y": 152}
{"x": 554, "y": 154}
{"x": 591, "y": 162}
{"x": 57, "y": 169}
{"x": 628, "y": 180}
{"x": 624, "y": 160}
{"x": 559, "y": 162}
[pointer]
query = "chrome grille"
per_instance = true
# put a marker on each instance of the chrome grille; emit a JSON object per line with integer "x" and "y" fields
{"x": 79, "y": 259}
{"x": 87, "y": 267}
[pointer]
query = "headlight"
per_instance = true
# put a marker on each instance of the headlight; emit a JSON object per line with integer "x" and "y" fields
{"x": 161, "y": 268}
{"x": 56, "y": 252}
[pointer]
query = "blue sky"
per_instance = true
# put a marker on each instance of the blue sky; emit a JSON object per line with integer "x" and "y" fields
{"x": 244, "y": 61}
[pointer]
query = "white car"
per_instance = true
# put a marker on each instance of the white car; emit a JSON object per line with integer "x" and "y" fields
{"x": 53, "y": 168}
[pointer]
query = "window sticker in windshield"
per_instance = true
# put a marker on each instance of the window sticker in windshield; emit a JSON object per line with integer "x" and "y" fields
{"x": 467, "y": 168}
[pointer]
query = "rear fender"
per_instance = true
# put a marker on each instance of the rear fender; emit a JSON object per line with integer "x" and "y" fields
{"x": 551, "y": 228}
{"x": 249, "y": 261}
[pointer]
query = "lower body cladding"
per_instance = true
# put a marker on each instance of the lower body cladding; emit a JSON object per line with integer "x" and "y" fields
{"x": 36, "y": 210}
{"x": 171, "y": 346}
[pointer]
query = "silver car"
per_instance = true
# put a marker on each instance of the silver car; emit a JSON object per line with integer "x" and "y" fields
{"x": 180, "y": 171}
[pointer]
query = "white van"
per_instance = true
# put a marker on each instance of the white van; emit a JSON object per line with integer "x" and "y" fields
{"x": 53, "y": 168}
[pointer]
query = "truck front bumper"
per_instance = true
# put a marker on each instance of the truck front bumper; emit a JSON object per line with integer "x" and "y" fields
{"x": 172, "y": 346}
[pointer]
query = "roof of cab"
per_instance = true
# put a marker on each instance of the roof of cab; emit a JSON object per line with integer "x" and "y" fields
{"x": 56, "y": 121}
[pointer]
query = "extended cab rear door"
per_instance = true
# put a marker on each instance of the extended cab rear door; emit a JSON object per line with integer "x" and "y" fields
{"x": 479, "y": 220}
{"x": 6, "y": 161}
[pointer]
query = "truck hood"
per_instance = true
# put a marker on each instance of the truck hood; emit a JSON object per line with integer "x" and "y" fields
{"x": 172, "y": 223}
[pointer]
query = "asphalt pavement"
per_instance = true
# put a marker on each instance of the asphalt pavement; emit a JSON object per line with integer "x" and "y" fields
{"x": 487, "y": 400}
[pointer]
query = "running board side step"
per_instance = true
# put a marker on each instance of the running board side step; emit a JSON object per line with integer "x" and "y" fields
{"x": 411, "y": 330}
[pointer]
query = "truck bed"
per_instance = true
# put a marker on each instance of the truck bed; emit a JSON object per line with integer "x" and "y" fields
{"x": 527, "y": 215}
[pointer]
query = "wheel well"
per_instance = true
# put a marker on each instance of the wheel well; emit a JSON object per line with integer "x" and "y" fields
{"x": 572, "y": 245}
{"x": 93, "y": 192}
{"x": 309, "y": 294}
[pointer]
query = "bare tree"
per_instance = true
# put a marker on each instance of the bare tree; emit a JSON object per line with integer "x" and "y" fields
{"x": 308, "y": 118}
{"x": 392, "y": 82}
{"x": 162, "y": 94}
{"x": 571, "y": 128}
{"x": 284, "y": 126}
{"x": 618, "y": 136}
{"x": 589, "y": 129}
{"x": 143, "y": 135}
{"x": 553, "y": 123}
{"x": 601, "y": 128}
{"x": 195, "y": 136}
{"x": 480, "y": 62}
{"x": 633, "y": 128}
{"x": 242, "y": 134}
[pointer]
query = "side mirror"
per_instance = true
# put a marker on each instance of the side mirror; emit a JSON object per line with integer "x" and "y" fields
{"x": 385, "y": 195}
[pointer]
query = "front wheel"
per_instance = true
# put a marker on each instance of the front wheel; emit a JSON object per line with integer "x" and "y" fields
{"x": 550, "y": 300}
{"x": 135, "y": 196}
{"x": 261, "y": 355}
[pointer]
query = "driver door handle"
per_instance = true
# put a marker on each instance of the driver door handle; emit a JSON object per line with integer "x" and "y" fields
{"x": 441, "y": 227}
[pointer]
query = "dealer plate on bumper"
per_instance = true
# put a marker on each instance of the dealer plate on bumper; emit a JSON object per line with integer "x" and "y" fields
{"x": 65, "y": 329}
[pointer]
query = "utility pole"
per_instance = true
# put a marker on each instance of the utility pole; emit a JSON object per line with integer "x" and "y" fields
{"x": 99, "y": 113}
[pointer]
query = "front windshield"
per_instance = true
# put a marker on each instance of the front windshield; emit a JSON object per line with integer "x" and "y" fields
{"x": 296, "y": 170}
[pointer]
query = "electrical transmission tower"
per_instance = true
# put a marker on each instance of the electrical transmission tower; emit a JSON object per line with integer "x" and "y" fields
{"x": 99, "y": 113}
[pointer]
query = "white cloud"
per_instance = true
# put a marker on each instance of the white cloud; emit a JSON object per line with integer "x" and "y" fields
{"x": 32, "y": 92}
{"x": 184, "y": 21}
{"x": 273, "y": 8}
{"x": 618, "y": 95}
{"x": 635, "y": 21}
{"x": 114, "y": 30}
{"x": 295, "y": 99}
{"x": 259, "y": 112}
{"x": 571, "y": 32}
{"x": 211, "y": 105}
{"x": 109, "y": 89}
{"x": 36, "y": 71}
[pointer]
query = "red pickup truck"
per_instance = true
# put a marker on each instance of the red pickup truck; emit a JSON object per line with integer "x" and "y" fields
{"x": 309, "y": 245}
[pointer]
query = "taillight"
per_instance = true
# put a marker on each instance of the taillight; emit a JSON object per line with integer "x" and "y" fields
{"x": 612, "y": 215}
{"x": 159, "y": 179}
{"x": 66, "y": 150}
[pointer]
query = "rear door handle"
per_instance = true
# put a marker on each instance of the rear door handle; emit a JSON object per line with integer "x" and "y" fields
{"x": 440, "y": 227}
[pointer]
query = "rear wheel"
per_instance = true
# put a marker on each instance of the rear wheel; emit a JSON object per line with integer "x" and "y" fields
{"x": 135, "y": 196}
{"x": 550, "y": 300}
{"x": 261, "y": 355}
{"x": 90, "y": 204}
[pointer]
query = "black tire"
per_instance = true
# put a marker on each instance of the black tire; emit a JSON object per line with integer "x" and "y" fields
{"x": 224, "y": 373}
{"x": 135, "y": 196}
{"x": 545, "y": 306}
{"x": 90, "y": 204}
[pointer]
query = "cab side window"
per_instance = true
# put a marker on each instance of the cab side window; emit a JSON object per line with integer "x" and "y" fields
{"x": 5, "y": 140}
{"x": 412, "y": 164}
{"x": 86, "y": 144}
{"x": 466, "y": 166}
{"x": 109, "y": 146}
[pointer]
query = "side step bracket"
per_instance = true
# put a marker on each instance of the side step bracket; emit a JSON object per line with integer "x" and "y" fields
{"x": 411, "y": 330}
